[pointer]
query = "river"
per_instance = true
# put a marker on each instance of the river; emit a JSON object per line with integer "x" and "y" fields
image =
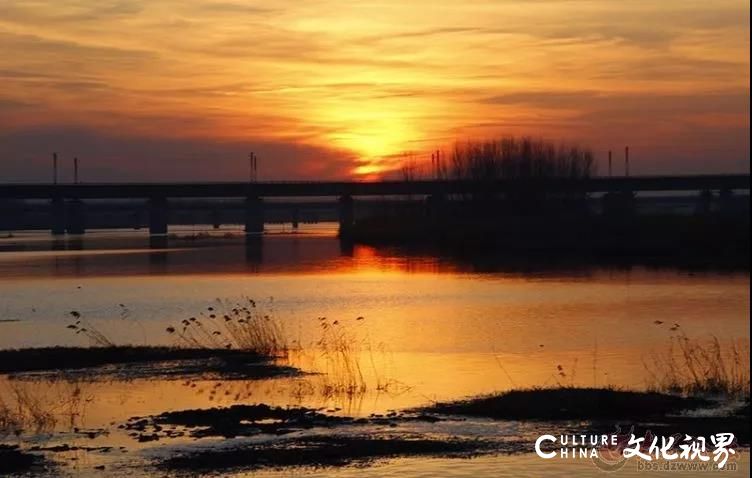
{"x": 424, "y": 326}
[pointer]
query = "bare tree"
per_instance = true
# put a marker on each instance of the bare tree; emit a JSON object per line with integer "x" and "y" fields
{"x": 512, "y": 158}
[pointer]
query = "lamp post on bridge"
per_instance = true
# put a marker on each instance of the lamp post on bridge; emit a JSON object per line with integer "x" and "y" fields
{"x": 254, "y": 205}
{"x": 252, "y": 168}
{"x": 609, "y": 163}
{"x": 54, "y": 168}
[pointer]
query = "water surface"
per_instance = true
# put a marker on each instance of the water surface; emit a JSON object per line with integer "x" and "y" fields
{"x": 425, "y": 326}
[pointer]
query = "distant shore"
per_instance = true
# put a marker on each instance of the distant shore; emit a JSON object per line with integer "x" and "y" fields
{"x": 709, "y": 240}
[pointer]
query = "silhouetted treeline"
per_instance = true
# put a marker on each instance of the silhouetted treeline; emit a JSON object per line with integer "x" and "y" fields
{"x": 505, "y": 158}
{"x": 513, "y": 158}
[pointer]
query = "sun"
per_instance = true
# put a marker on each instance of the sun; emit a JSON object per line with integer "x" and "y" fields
{"x": 369, "y": 169}
{"x": 374, "y": 135}
{"x": 375, "y": 138}
{"x": 376, "y": 146}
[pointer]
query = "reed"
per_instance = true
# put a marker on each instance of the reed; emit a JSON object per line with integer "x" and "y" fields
{"x": 81, "y": 326}
{"x": 709, "y": 367}
{"x": 24, "y": 410}
{"x": 243, "y": 325}
{"x": 340, "y": 351}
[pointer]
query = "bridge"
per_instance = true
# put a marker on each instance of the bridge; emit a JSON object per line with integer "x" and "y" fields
{"x": 375, "y": 188}
{"x": 68, "y": 210}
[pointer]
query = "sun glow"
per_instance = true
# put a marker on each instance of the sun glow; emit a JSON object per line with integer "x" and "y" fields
{"x": 375, "y": 130}
{"x": 373, "y": 141}
{"x": 369, "y": 171}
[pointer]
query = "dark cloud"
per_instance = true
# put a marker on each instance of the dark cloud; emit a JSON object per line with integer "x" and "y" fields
{"x": 629, "y": 23}
{"x": 25, "y": 156}
{"x": 71, "y": 11}
{"x": 375, "y": 39}
{"x": 238, "y": 8}
{"x": 8, "y": 104}
{"x": 13, "y": 42}
{"x": 727, "y": 102}
{"x": 672, "y": 68}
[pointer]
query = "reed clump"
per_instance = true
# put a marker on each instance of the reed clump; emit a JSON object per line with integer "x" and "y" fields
{"x": 244, "y": 325}
{"x": 706, "y": 367}
{"x": 346, "y": 366}
{"x": 340, "y": 351}
{"x": 81, "y": 326}
{"x": 24, "y": 410}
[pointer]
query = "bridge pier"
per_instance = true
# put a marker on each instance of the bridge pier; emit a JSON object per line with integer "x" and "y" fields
{"x": 157, "y": 242}
{"x": 158, "y": 214}
{"x": 216, "y": 218}
{"x": 253, "y": 252}
{"x": 435, "y": 205}
{"x": 704, "y": 202}
{"x": 295, "y": 218}
{"x": 619, "y": 204}
{"x": 11, "y": 213}
{"x": 75, "y": 216}
{"x": 346, "y": 215}
{"x": 254, "y": 215}
{"x": 57, "y": 216}
{"x": 346, "y": 247}
{"x": 727, "y": 204}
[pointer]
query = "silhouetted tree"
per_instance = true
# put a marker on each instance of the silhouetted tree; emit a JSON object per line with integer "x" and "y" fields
{"x": 512, "y": 158}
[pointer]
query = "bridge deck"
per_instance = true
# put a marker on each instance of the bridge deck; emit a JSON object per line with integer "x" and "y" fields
{"x": 377, "y": 188}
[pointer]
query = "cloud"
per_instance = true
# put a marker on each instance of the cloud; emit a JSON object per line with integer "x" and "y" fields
{"x": 349, "y": 82}
{"x": 731, "y": 101}
{"x": 121, "y": 157}
{"x": 673, "y": 68}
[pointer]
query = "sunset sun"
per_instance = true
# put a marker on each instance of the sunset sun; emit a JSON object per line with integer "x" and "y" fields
{"x": 373, "y": 133}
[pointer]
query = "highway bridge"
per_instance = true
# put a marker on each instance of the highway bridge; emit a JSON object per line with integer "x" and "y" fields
{"x": 67, "y": 207}
{"x": 374, "y": 188}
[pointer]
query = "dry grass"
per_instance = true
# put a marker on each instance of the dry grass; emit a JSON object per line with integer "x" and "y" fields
{"x": 340, "y": 350}
{"x": 242, "y": 325}
{"x": 80, "y": 326}
{"x": 39, "y": 407}
{"x": 700, "y": 367}
{"x": 348, "y": 366}
{"x": 25, "y": 410}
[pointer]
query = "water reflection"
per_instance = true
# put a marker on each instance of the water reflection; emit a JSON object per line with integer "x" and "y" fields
{"x": 254, "y": 253}
{"x": 158, "y": 242}
{"x": 233, "y": 252}
{"x": 137, "y": 254}
{"x": 415, "y": 327}
{"x": 443, "y": 326}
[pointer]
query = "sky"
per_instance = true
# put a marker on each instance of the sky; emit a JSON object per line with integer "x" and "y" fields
{"x": 148, "y": 90}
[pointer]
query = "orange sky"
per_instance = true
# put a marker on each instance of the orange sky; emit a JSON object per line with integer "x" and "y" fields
{"x": 159, "y": 89}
